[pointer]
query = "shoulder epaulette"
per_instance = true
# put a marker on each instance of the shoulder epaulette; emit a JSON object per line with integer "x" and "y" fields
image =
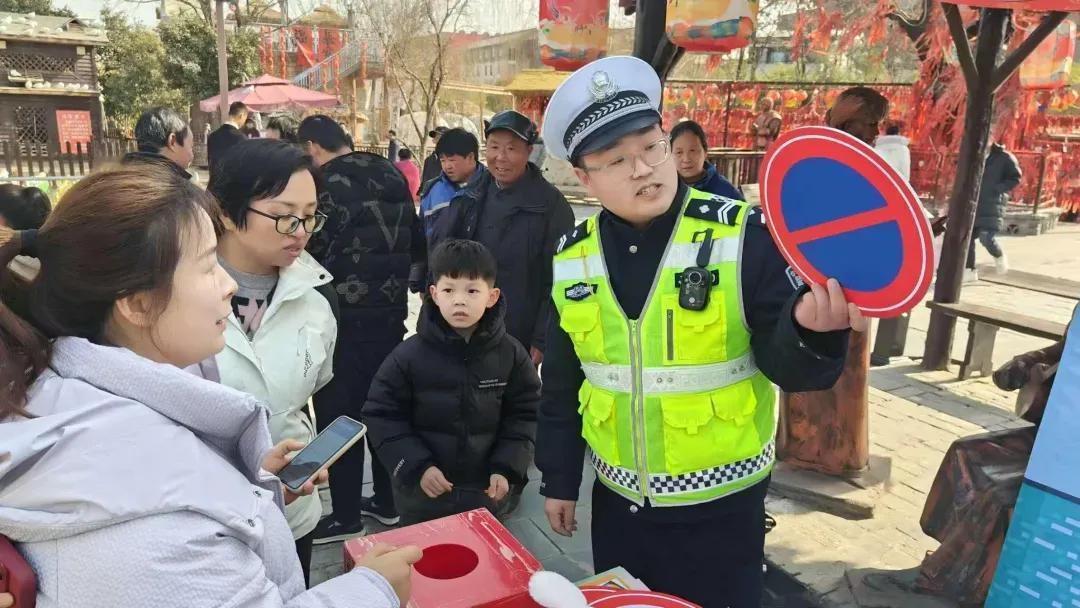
{"x": 715, "y": 209}
{"x": 576, "y": 235}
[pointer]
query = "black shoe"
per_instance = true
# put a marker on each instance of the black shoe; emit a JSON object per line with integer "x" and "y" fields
{"x": 386, "y": 516}
{"x": 330, "y": 530}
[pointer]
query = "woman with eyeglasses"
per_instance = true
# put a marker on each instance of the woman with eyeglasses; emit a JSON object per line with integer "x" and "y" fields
{"x": 279, "y": 341}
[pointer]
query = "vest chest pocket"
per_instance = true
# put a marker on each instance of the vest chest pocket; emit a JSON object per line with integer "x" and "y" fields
{"x": 694, "y": 336}
{"x": 704, "y": 430}
{"x": 598, "y": 422}
{"x": 581, "y": 321}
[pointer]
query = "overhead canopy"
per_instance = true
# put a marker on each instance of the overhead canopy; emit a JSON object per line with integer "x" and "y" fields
{"x": 267, "y": 93}
{"x": 536, "y": 82}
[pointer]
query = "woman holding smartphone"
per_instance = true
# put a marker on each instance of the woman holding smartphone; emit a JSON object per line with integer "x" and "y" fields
{"x": 279, "y": 339}
{"x": 125, "y": 480}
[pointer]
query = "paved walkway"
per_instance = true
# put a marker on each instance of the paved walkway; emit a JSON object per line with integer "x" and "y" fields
{"x": 914, "y": 416}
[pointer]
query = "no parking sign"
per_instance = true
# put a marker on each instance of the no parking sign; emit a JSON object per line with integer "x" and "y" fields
{"x": 836, "y": 209}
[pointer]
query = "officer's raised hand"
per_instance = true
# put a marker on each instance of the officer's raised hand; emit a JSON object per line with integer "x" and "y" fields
{"x": 826, "y": 309}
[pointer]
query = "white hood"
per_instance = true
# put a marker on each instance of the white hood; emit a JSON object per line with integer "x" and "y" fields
{"x": 117, "y": 437}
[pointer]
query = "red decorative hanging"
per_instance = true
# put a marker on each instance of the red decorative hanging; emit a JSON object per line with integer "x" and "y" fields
{"x": 695, "y": 25}
{"x": 572, "y": 32}
{"x": 1050, "y": 65}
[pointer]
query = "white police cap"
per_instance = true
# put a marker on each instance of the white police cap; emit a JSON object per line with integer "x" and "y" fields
{"x": 600, "y": 103}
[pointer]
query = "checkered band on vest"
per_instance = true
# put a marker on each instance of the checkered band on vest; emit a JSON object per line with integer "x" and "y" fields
{"x": 667, "y": 485}
{"x": 716, "y": 476}
{"x": 624, "y": 478}
{"x": 595, "y": 114}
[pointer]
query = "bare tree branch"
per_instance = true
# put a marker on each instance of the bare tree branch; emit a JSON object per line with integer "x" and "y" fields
{"x": 1012, "y": 62}
{"x": 963, "y": 48}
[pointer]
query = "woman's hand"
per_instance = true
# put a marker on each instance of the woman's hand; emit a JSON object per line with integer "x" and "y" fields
{"x": 281, "y": 455}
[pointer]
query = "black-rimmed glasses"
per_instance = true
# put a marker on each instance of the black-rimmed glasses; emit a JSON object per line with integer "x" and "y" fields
{"x": 288, "y": 224}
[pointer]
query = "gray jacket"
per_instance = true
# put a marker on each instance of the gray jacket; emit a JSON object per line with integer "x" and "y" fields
{"x": 138, "y": 484}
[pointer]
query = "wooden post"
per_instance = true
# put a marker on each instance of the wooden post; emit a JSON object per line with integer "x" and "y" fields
{"x": 70, "y": 159}
{"x": 1039, "y": 188}
{"x": 983, "y": 76}
{"x": 6, "y": 147}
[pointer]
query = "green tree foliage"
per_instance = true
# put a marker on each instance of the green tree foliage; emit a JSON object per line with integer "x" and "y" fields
{"x": 131, "y": 71}
{"x": 190, "y": 62}
{"x": 38, "y": 7}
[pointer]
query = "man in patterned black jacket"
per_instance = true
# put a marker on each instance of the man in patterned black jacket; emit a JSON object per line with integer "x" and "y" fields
{"x": 371, "y": 241}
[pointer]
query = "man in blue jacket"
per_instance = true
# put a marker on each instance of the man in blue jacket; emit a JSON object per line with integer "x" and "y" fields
{"x": 457, "y": 151}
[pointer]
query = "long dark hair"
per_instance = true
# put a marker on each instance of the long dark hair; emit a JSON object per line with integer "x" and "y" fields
{"x": 113, "y": 234}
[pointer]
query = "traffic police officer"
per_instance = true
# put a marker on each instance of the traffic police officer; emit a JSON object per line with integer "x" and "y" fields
{"x": 676, "y": 314}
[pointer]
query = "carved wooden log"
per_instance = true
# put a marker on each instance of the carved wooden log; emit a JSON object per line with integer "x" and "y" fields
{"x": 827, "y": 431}
{"x": 968, "y": 509}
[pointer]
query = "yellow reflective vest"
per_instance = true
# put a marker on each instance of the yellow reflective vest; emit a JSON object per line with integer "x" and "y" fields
{"x": 673, "y": 407}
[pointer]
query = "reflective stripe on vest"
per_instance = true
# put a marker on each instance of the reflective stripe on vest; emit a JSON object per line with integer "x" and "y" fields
{"x": 673, "y": 406}
{"x": 682, "y": 379}
{"x": 680, "y": 256}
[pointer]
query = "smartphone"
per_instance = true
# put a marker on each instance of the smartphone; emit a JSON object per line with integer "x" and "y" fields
{"x": 322, "y": 452}
{"x": 16, "y": 577}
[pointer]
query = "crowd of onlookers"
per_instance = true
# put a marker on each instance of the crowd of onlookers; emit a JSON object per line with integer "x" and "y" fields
{"x": 178, "y": 344}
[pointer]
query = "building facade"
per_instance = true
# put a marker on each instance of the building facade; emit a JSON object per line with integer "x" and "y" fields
{"x": 49, "y": 94}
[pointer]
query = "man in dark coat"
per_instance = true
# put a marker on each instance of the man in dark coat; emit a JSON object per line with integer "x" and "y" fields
{"x": 371, "y": 239}
{"x": 452, "y": 410}
{"x": 432, "y": 167}
{"x": 165, "y": 138}
{"x": 227, "y": 135}
{"x": 519, "y": 216}
{"x": 1001, "y": 175}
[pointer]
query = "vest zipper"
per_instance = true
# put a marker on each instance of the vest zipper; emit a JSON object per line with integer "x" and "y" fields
{"x": 637, "y": 402}
{"x": 670, "y": 334}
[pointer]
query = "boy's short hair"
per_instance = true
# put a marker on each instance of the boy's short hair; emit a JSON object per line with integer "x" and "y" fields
{"x": 457, "y": 142}
{"x": 461, "y": 258}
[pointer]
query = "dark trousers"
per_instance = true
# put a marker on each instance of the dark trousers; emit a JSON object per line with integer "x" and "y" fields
{"x": 715, "y": 562}
{"x": 988, "y": 238}
{"x": 354, "y": 367}
{"x": 303, "y": 551}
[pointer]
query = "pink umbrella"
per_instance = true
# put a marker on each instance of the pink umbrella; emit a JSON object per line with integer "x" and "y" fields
{"x": 267, "y": 93}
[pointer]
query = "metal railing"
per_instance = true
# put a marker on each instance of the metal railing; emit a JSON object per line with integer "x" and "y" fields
{"x": 343, "y": 63}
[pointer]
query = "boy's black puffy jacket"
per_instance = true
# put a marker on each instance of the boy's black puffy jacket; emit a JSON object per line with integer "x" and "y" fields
{"x": 467, "y": 408}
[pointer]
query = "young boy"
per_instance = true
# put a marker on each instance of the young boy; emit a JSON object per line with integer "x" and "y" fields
{"x": 452, "y": 410}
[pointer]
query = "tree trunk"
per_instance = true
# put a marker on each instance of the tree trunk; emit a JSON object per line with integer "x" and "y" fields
{"x": 965, "y": 194}
{"x": 651, "y": 43}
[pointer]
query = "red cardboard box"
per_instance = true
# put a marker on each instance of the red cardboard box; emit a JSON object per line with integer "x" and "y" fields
{"x": 470, "y": 561}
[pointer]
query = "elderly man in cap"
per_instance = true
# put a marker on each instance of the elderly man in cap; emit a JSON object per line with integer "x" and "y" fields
{"x": 518, "y": 215}
{"x": 674, "y": 316}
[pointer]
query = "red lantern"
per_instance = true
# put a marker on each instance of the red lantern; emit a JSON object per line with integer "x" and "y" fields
{"x": 1050, "y": 64}
{"x": 572, "y": 32}
{"x": 695, "y": 25}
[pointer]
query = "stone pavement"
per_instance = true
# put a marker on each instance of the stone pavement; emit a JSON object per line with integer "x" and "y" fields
{"x": 914, "y": 416}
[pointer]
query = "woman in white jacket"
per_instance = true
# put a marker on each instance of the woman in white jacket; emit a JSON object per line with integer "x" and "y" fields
{"x": 279, "y": 341}
{"x": 124, "y": 480}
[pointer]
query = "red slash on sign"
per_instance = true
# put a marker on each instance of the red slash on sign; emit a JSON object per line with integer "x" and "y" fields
{"x": 836, "y": 209}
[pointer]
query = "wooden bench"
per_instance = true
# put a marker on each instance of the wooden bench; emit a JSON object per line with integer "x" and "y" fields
{"x": 984, "y": 323}
{"x": 1032, "y": 282}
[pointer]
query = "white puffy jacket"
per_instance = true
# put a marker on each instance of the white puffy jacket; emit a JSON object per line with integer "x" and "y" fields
{"x": 137, "y": 484}
{"x": 289, "y": 358}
